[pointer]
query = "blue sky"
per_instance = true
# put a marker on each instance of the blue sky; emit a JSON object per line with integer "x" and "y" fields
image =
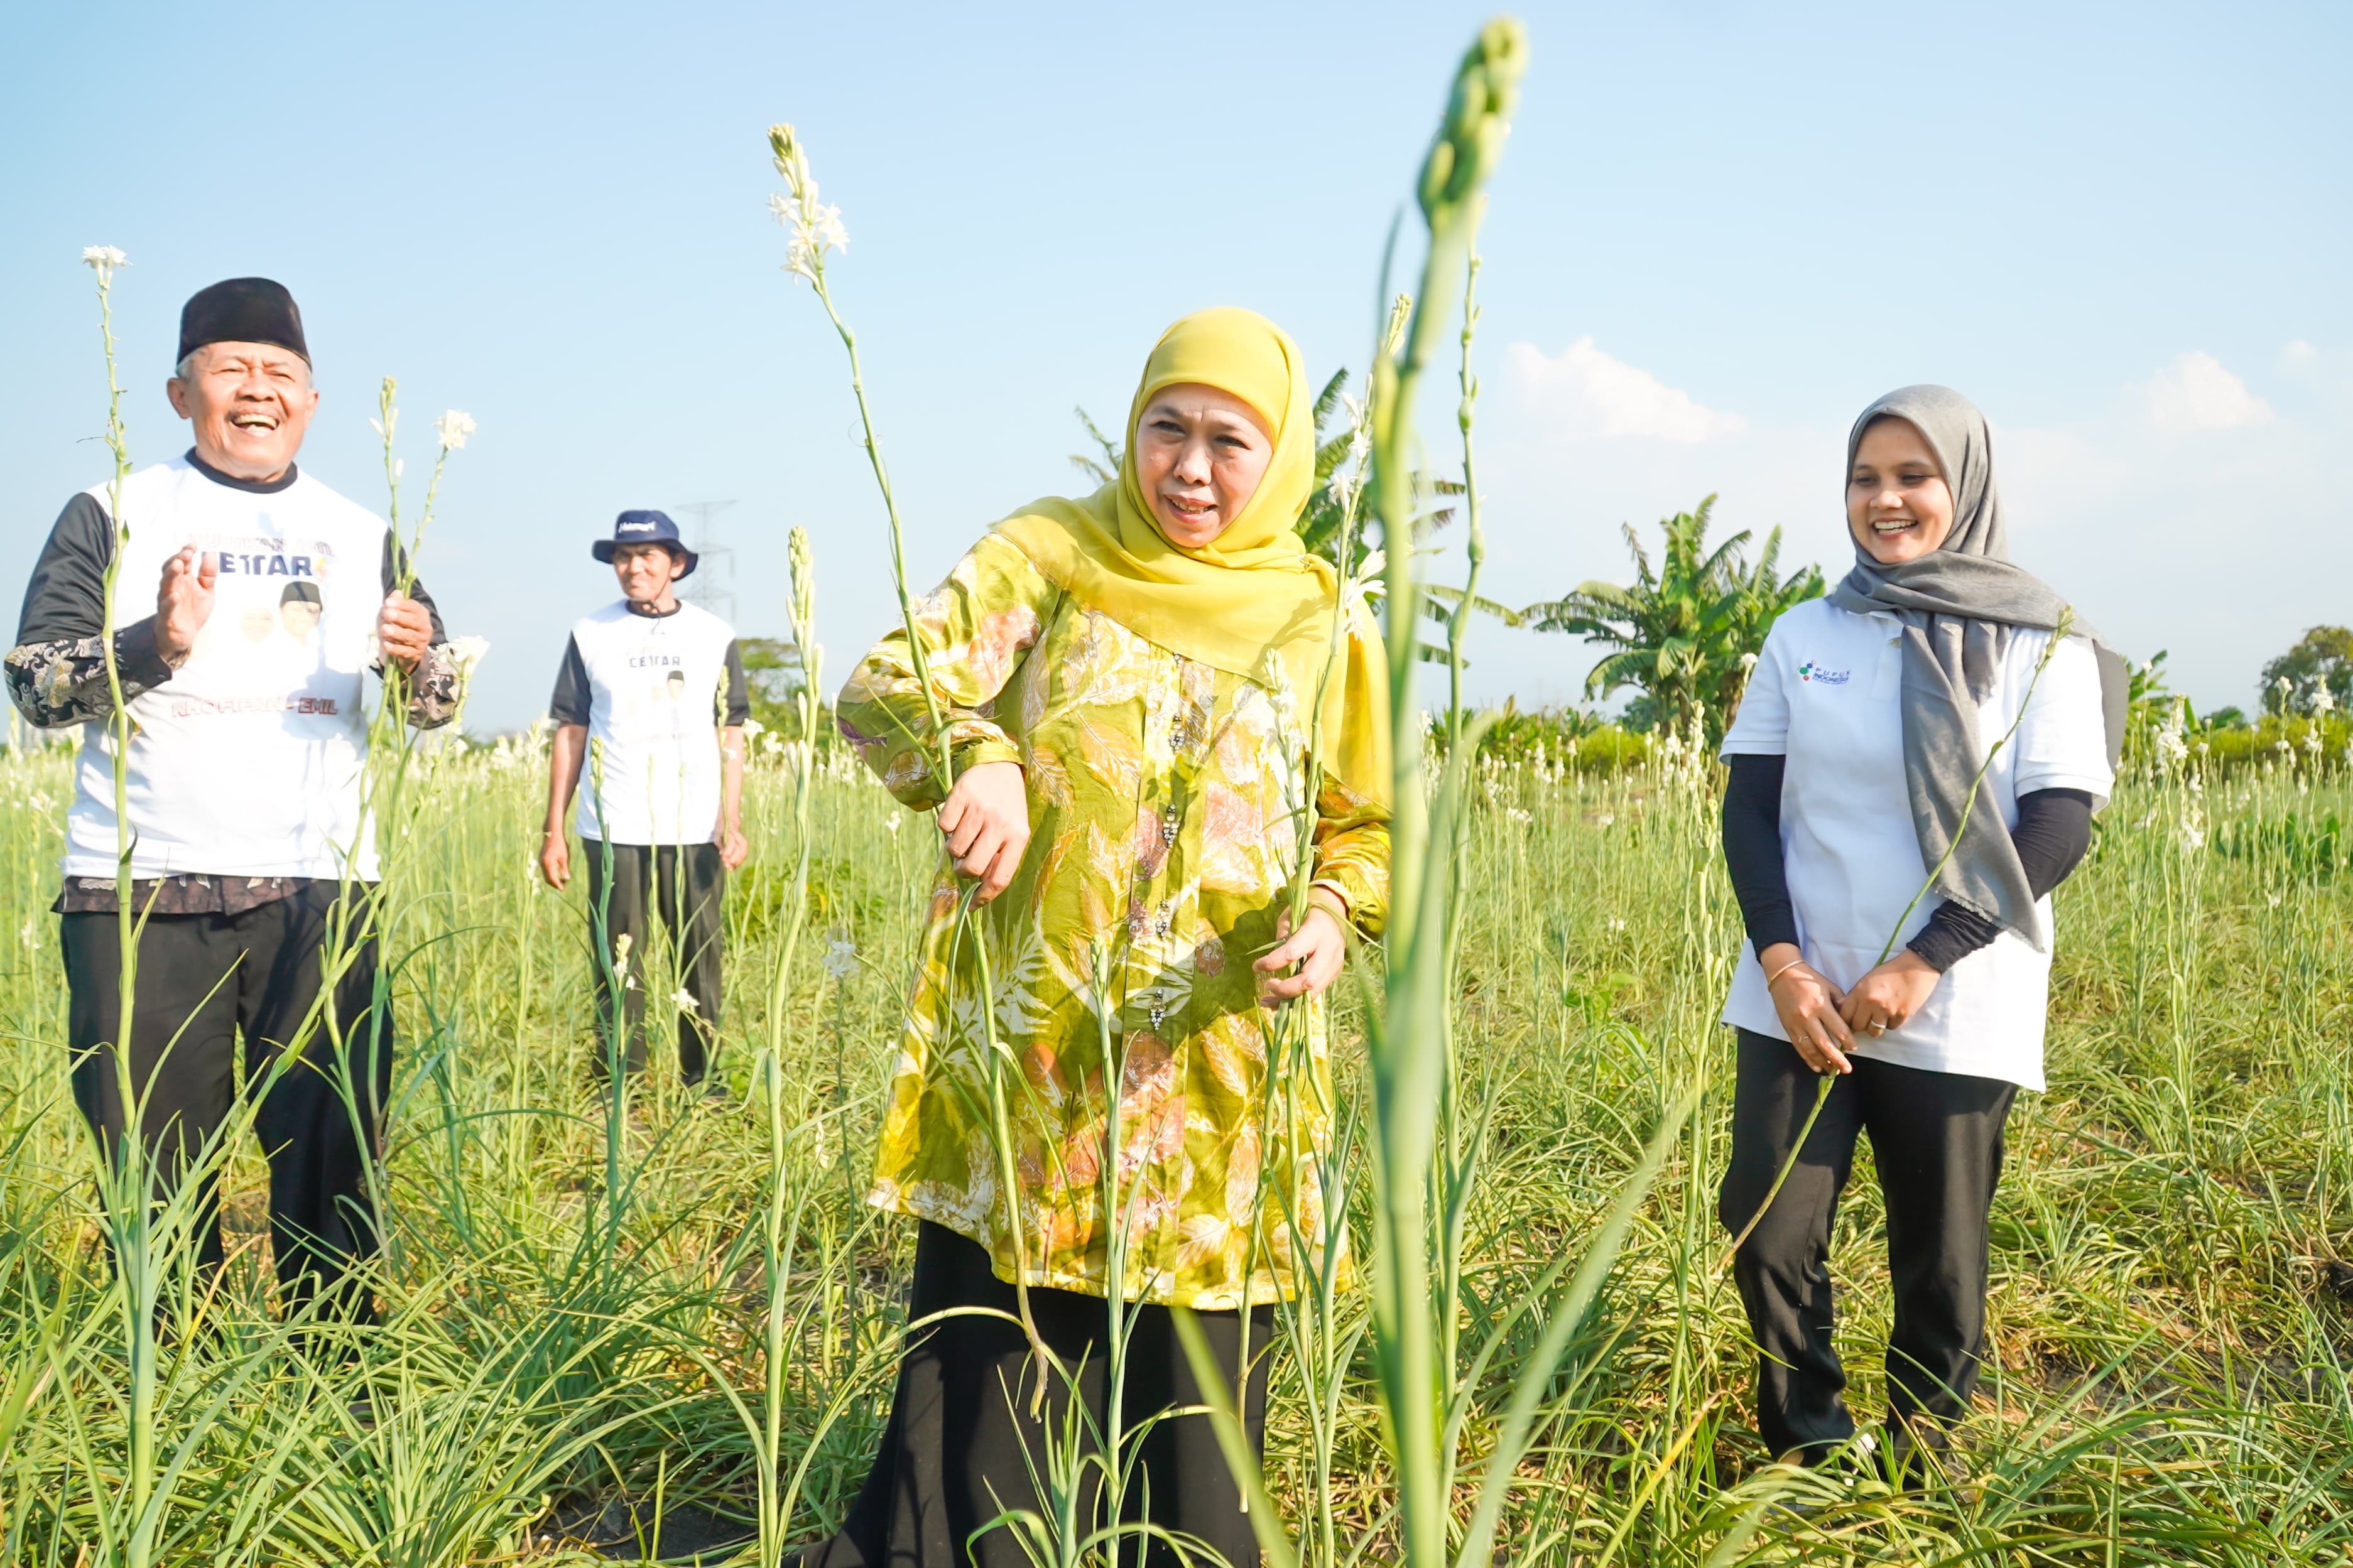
{"x": 1720, "y": 229}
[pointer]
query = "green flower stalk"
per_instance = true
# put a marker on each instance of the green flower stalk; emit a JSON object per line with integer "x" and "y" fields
{"x": 776, "y": 1500}
{"x": 123, "y": 1173}
{"x": 816, "y": 231}
{"x": 1408, "y": 1042}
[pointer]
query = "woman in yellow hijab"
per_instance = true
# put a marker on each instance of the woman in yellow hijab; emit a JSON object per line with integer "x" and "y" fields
{"x": 1130, "y": 686}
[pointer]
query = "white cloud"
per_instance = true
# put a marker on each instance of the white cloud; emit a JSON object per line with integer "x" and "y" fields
{"x": 2195, "y": 393}
{"x": 1585, "y": 392}
{"x": 2299, "y": 350}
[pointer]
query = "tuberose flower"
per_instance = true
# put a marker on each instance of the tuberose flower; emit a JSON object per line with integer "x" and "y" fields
{"x": 104, "y": 258}
{"x": 816, "y": 226}
{"x": 453, "y": 428}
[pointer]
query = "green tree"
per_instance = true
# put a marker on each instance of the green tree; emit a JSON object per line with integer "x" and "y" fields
{"x": 2323, "y": 657}
{"x": 773, "y": 678}
{"x": 1680, "y": 628}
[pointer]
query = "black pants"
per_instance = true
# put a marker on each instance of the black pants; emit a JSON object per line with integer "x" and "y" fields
{"x": 686, "y": 885}
{"x": 961, "y": 1439}
{"x": 203, "y": 980}
{"x": 1937, "y": 1138}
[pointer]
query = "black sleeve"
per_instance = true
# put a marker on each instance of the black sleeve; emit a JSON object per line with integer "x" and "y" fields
{"x": 395, "y": 561}
{"x": 1752, "y": 850}
{"x": 2055, "y": 828}
{"x": 570, "y": 703}
{"x": 738, "y": 695}
{"x": 57, "y": 670}
{"x": 67, "y": 597}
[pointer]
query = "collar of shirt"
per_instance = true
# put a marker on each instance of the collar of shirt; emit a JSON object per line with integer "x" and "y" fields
{"x": 253, "y": 486}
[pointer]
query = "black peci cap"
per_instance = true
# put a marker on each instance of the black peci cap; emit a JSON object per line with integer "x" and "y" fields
{"x": 242, "y": 310}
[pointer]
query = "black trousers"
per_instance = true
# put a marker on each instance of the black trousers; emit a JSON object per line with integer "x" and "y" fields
{"x": 686, "y": 885}
{"x": 203, "y": 980}
{"x": 1936, "y": 1139}
{"x": 961, "y": 1440}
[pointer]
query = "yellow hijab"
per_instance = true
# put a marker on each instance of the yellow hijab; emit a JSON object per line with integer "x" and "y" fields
{"x": 1252, "y": 602}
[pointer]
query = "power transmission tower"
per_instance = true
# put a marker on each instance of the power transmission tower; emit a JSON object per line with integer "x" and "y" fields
{"x": 714, "y": 562}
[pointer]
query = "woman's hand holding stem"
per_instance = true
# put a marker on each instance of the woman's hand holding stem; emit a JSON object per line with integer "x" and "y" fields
{"x": 1886, "y": 998}
{"x": 1821, "y": 1020}
{"x": 986, "y": 821}
{"x": 1809, "y": 1007}
{"x": 1318, "y": 947}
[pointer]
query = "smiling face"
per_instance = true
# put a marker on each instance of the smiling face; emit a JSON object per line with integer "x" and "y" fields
{"x": 249, "y": 404}
{"x": 1200, "y": 455}
{"x": 1898, "y": 506}
{"x": 646, "y": 572}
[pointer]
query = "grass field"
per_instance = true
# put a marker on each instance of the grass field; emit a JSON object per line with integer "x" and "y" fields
{"x": 579, "y": 1306}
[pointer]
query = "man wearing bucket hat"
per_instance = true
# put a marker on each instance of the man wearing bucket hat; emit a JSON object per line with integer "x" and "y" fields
{"x": 250, "y": 603}
{"x": 652, "y": 700}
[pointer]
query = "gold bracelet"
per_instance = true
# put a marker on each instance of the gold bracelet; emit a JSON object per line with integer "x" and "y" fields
{"x": 1780, "y": 972}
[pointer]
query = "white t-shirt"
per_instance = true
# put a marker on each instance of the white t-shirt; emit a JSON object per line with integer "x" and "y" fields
{"x": 1825, "y": 694}
{"x": 247, "y": 761}
{"x": 658, "y": 689}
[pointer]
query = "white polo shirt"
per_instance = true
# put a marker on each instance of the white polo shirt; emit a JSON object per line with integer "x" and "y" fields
{"x": 1825, "y": 694}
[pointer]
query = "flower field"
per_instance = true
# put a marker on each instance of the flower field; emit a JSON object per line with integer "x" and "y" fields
{"x": 575, "y": 1354}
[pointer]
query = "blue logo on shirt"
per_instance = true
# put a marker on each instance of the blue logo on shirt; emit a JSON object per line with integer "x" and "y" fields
{"x": 1809, "y": 670}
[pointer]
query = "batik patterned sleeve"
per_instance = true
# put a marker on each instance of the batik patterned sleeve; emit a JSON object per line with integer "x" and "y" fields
{"x": 975, "y": 629}
{"x": 435, "y": 688}
{"x": 1352, "y": 854}
{"x": 57, "y": 671}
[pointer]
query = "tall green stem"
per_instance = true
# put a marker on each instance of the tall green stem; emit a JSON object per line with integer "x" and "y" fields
{"x": 1408, "y": 1042}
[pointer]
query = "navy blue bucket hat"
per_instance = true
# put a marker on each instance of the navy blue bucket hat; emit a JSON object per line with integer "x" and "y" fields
{"x": 644, "y": 527}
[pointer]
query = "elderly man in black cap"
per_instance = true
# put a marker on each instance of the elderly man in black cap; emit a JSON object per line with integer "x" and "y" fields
{"x": 250, "y": 603}
{"x": 657, "y": 687}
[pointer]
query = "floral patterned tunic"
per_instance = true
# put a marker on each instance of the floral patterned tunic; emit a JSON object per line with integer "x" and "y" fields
{"x": 1164, "y": 804}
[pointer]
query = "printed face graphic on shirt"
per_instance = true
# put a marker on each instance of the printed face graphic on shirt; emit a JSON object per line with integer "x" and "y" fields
{"x": 299, "y": 609}
{"x": 676, "y": 683}
{"x": 257, "y": 624}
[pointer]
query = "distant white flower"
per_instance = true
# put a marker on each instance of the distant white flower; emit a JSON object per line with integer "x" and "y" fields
{"x": 753, "y": 727}
{"x": 685, "y": 1002}
{"x": 840, "y": 957}
{"x": 1517, "y": 814}
{"x": 453, "y": 428}
{"x": 467, "y": 653}
{"x": 1748, "y": 661}
{"x": 1604, "y": 820}
{"x": 1615, "y": 924}
{"x": 2281, "y": 746}
{"x": 2323, "y": 699}
{"x": 103, "y": 260}
{"x": 891, "y": 824}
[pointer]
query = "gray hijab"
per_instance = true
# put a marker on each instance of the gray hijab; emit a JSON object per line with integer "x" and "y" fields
{"x": 1958, "y": 605}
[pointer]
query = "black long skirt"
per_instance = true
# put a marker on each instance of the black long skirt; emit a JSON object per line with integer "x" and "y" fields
{"x": 961, "y": 1445}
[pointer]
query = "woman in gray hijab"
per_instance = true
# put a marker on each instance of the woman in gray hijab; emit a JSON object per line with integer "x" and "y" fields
{"x": 1913, "y": 769}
